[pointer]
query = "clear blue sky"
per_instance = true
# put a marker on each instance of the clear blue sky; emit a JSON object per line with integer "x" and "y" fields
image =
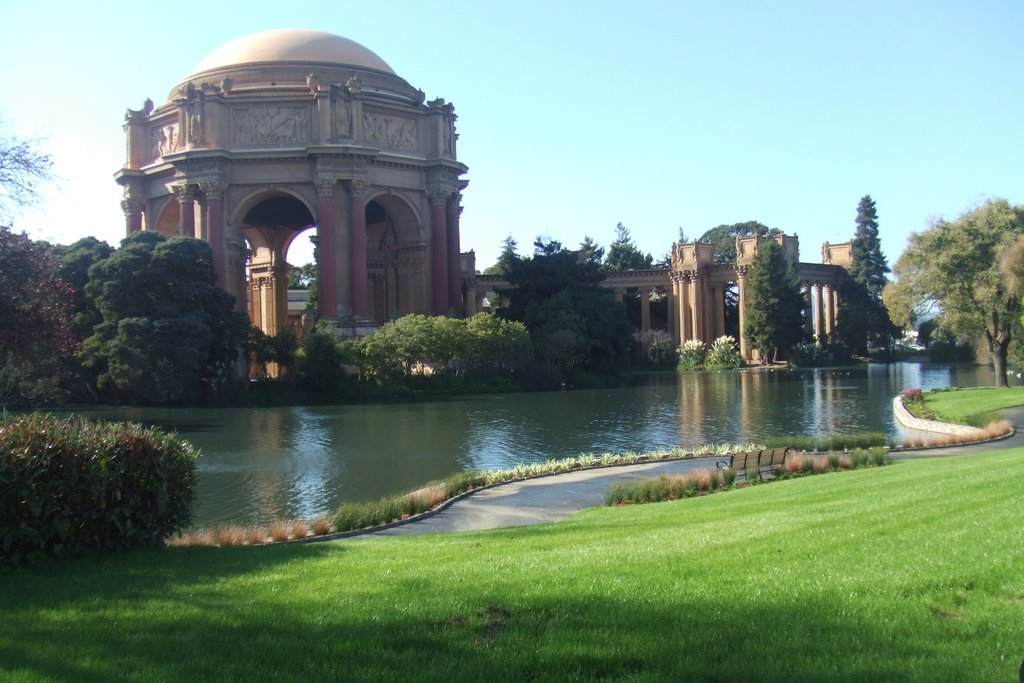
{"x": 574, "y": 116}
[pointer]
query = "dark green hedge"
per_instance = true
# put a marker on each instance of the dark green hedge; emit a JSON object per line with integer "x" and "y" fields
{"x": 70, "y": 486}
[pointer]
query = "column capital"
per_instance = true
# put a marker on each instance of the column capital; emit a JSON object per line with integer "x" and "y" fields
{"x": 185, "y": 193}
{"x": 213, "y": 189}
{"x": 133, "y": 205}
{"x": 325, "y": 187}
{"x": 439, "y": 194}
{"x": 359, "y": 188}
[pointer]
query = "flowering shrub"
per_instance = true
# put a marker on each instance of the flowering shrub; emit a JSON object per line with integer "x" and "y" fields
{"x": 724, "y": 354}
{"x": 913, "y": 401}
{"x": 691, "y": 354}
{"x": 912, "y": 395}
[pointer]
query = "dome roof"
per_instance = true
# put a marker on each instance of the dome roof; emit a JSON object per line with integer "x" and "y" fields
{"x": 282, "y": 46}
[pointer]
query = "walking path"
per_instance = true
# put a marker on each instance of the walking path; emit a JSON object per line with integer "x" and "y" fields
{"x": 552, "y": 498}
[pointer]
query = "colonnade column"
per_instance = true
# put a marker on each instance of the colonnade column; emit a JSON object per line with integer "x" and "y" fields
{"x": 358, "y": 190}
{"x": 673, "y": 326}
{"x": 326, "y": 242}
{"x": 186, "y": 195}
{"x": 695, "y": 308}
{"x": 720, "y": 311}
{"x": 818, "y": 314}
{"x": 741, "y": 283}
{"x": 835, "y": 308}
{"x": 645, "y": 309}
{"x": 133, "y": 207}
{"x": 439, "y": 249}
{"x": 214, "y": 191}
{"x": 684, "y": 308}
{"x": 454, "y": 254}
{"x": 830, "y": 318}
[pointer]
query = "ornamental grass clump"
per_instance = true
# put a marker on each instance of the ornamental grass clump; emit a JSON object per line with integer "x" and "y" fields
{"x": 72, "y": 486}
{"x": 724, "y": 354}
{"x": 691, "y": 354}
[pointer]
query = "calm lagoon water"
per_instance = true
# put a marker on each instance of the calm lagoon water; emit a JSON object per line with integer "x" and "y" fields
{"x": 260, "y": 464}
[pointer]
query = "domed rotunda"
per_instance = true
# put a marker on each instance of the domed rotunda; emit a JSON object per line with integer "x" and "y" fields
{"x": 281, "y": 130}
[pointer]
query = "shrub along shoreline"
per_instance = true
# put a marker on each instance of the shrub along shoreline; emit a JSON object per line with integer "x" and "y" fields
{"x": 704, "y": 482}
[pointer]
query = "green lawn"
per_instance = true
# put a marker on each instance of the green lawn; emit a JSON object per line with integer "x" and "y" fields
{"x": 908, "y": 572}
{"x": 974, "y": 406}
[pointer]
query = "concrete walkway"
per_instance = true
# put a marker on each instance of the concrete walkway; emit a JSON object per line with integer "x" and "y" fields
{"x": 552, "y": 498}
{"x": 535, "y": 501}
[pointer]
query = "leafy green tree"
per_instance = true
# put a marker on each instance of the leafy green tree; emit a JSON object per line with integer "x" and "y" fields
{"x": 966, "y": 269}
{"x": 774, "y": 315}
{"x": 168, "y": 333}
{"x": 319, "y": 364}
{"x": 724, "y": 237}
{"x": 75, "y": 261}
{"x": 22, "y": 169}
{"x": 301, "y": 277}
{"x": 506, "y": 258}
{"x": 37, "y": 343}
{"x": 623, "y": 254}
{"x": 594, "y": 251}
{"x": 307, "y": 277}
{"x": 572, "y": 320}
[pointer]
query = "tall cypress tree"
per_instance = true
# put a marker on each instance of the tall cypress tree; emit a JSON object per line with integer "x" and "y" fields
{"x": 869, "y": 266}
{"x": 862, "y": 316}
{"x": 774, "y": 311}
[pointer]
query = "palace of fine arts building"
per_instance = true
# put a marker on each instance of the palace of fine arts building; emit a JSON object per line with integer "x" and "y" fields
{"x": 281, "y": 130}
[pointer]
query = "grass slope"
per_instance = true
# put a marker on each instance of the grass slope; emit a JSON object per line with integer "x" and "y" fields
{"x": 909, "y": 572}
{"x": 974, "y": 406}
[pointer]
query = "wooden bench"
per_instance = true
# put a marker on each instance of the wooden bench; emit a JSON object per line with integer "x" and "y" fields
{"x": 741, "y": 463}
{"x": 763, "y": 462}
{"x": 771, "y": 461}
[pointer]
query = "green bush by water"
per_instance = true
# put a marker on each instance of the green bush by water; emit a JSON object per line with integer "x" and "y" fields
{"x": 829, "y": 442}
{"x": 72, "y": 486}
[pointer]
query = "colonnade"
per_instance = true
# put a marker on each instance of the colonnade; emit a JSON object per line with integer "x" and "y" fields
{"x": 696, "y": 304}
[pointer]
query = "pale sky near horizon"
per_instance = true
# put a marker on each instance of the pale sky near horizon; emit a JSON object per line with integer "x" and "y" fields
{"x": 574, "y": 116}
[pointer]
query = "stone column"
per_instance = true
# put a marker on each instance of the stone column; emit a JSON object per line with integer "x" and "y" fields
{"x": 133, "y": 208}
{"x": 619, "y": 295}
{"x": 358, "y": 190}
{"x": 471, "y": 299}
{"x": 720, "y": 311}
{"x": 835, "y": 308}
{"x": 645, "y": 309}
{"x": 453, "y": 210}
{"x": 327, "y": 245}
{"x": 741, "y": 282}
{"x": 685, "y": 326}
{"x": 695, "y": 309}
{"x": 214, "y": 191}
{"x": 673, "y": 326}
{"x": 439, "y": 249}
{"x": 830, "y": 316}
{"x": 185, "y": 195}
{"x": 818, "y": 313}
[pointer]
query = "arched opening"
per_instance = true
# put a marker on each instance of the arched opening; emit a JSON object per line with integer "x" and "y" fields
{"x": 396, "y": 260}
{"x": 269, "y": 227}
{"x": 168, "y": 222}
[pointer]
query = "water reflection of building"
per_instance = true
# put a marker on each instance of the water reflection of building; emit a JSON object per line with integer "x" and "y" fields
{"x": 695, "y": 288}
